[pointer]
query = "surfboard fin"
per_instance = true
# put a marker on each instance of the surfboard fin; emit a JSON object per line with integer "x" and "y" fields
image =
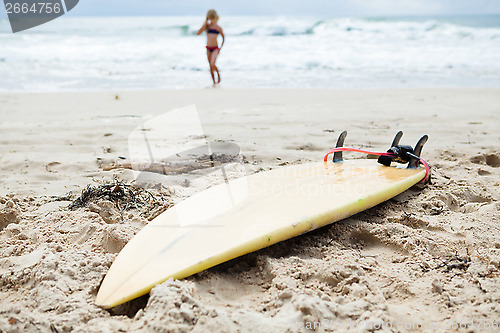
{"x": 415, "y": 159}
{"x": 397, "y": 138}
{"x": 337, "y": 156}
{"x": 404, "y": 153}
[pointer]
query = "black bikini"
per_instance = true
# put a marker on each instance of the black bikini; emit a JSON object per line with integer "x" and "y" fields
{"x": 212, "y": 31}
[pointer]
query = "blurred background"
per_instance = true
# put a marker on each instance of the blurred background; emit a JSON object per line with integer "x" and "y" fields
{"x": 125, "y": 44}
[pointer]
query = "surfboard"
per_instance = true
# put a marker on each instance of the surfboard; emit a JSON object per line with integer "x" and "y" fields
{"x": 247, "y": 214}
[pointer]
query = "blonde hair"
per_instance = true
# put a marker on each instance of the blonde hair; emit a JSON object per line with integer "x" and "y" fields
{"x": 212, "y": 15}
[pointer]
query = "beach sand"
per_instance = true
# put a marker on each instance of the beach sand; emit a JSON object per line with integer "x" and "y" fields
{"x": 429, "y": 256}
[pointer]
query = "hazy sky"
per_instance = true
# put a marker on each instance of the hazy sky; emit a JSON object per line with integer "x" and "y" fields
{"x": 288, "y": 7}
{"x": 324, "y": 8}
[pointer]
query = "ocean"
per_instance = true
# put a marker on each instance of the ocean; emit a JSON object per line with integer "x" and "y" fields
{"x": 123, "y": 53}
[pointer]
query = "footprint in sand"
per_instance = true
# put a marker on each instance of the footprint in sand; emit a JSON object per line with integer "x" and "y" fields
{"x": 50, "y": 167}
{"x": 483, "y": 172}
{"x": 493, "y": 160}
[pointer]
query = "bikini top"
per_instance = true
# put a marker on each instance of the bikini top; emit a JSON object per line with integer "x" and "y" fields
{"x": 212, "y": 31}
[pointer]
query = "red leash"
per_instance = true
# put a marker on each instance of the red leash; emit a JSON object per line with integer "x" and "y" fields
{"x": 334, "y": 150}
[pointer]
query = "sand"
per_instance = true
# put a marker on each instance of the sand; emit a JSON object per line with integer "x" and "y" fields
{"x": 426, "y": 260}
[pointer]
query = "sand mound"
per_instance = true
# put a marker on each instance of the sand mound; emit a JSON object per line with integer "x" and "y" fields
{"x": 429, "y": 253}
{"x": 9, "y": 212}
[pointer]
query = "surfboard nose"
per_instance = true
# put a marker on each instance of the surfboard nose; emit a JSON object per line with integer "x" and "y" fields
{"x": 103, "y": 301}
{"x": 119, "y": 286}
{"x": 107, "y": 300}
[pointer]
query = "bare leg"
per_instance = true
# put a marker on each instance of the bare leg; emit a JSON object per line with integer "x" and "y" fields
{"x": 212, "y": 60}
{"x": 209, "y": 55}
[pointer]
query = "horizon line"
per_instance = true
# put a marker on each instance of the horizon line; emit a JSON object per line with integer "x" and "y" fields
{"x": 72, "y": 14}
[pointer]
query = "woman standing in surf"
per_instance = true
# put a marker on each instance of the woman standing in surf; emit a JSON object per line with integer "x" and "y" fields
{"x": 213, "y": 49}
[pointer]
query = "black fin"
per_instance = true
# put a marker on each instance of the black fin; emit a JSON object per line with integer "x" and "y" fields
{"x": 417, "y": 151}
{"x": 337, "y": 157}
{"x": 386, "y": 160}
{"x": 398, "y": 136}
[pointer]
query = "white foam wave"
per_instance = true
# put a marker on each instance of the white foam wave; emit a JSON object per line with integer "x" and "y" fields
{"x": 135, "y": 53}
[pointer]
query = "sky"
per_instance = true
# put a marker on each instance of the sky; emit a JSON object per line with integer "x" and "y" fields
{"x": 321, "y": 8}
